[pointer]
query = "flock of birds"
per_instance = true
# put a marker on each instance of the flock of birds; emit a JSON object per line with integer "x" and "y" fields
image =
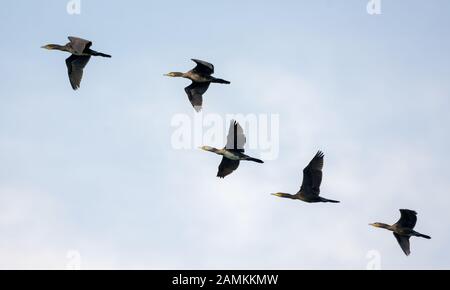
{"x": 233, "y": 152}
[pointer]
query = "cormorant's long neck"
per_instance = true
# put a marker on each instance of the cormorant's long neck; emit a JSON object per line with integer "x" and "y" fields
{"x": 284, "y": 195}
{"x": 178, "y": 74}
{"x": 59, "y": 47}
{"x": 217, "y": 151}
{"x": 385, "y": 226}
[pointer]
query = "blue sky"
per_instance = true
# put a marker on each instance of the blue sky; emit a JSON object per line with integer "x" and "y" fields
{"x": 94, "y": 170}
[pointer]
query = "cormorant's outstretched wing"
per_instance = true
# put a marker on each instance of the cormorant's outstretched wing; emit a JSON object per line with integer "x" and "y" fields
{"x": 195, "y": 94}
{"x": 408, "y": 219}
{"x": 203, "y": 67}
{"x": 79, "y": 44}
{"x": 227, "y": 166}
{"x": 236, "y": 138}
{"x": 312, "y": 175}
{"x": 75, "y": 65}
{"x": 404, "y": 243}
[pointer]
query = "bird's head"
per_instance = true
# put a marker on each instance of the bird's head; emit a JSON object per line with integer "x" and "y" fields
{"x": 208, "y": 148}
{"x": 174, "y": 74}
{"x": 49, "y": 46}
{"x": 379, "y": 225}
{"x": 282, "y": 194}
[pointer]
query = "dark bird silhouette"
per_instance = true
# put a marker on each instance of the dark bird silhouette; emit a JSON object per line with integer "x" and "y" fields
{"x": 403, "y": 229}
{"x": 312, "y": 178}
{"x": 81, "y": 54}
{"x": 233, "y": 152}
{"x": 201, "y": 79}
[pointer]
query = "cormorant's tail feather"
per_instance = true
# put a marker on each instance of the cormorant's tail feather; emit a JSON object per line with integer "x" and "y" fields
{"x": 220, "y": 81}
{"x": 96, "y": 53}
{"x": 254, "y": 160}
{"x": 424, "y": 236}
{"x": 329, "y": 200}
{"x": 103, "y": 55}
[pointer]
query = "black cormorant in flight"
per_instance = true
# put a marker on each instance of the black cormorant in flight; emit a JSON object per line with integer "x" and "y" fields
{"x": 201, "y": 79}
{"x": 81, "y": 53}
{"x": 403, "y": 229}
{"x": 312, "y": 178}
{"x": 233, "y": 152}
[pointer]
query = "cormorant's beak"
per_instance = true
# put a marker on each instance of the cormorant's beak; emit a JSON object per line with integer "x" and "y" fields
{"x": 373, "y": 225}
{"x": 276, "y": 194}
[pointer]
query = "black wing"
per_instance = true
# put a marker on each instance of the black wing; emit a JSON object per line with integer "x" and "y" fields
{"x": 75, "y": 65}
{"x": 195, "y": 94}
{"x": 312, "y": 175}
{"x": 227, "y": 166}
{"x": 408, "y": 219}
{"x": 404, "y": 243}
{"x": 203, "y": 67}
{"x": 236, "y": 138}
{"x": 79, "y": 44}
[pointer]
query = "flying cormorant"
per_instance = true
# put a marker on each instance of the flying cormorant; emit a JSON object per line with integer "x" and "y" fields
{"x": 81, "y": 53}
{"x": 403, "y": 229}
{"x": 201, "y": 79}
{"x": 233, "y": 152}
{"x": 312, "y": 178}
